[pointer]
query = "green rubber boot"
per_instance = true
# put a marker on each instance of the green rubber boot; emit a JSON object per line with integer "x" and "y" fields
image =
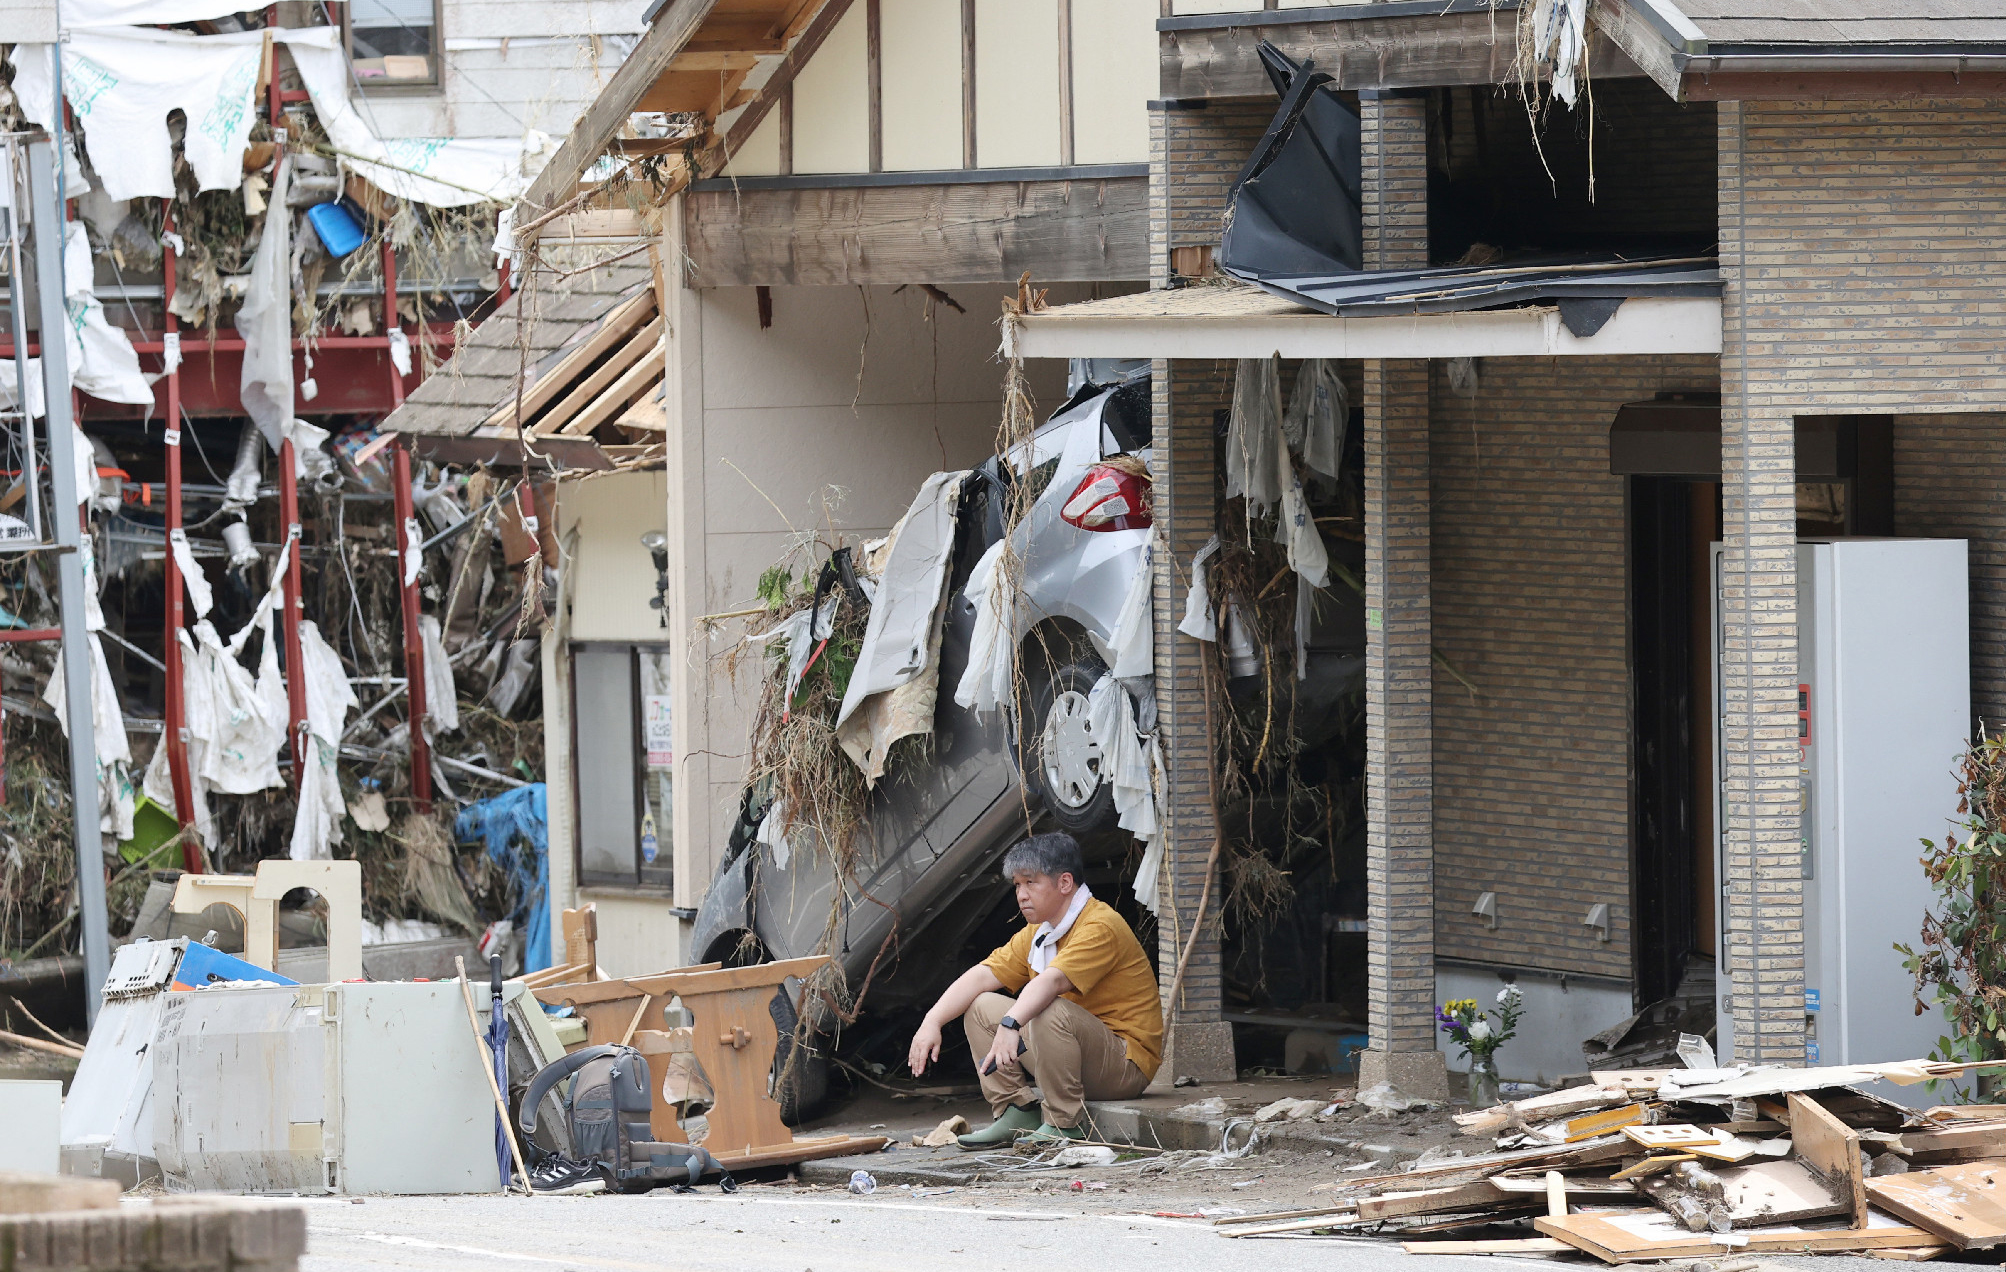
{"x": 1002, "y": 1132}
{"x": 1048, "y": 1136}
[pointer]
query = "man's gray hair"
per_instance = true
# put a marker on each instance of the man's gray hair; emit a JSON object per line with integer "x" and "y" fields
{"x": 1049, "y": 855}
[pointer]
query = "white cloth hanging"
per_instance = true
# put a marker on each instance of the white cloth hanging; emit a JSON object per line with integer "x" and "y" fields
{"x": 442, "y": 695}
{"x": 116, "y": 795}
{"x": 1133, "y": 640}
{"x": 1199, "y": 622}
{"x": 1318, "y": 416}
{"x": 985, "y": 682}
{"x": 1254, "y": 434}
{"x": 266, "y": 321}
{"x": 317, "y": 826}
{"x": 102, "y": 360}
{"x": 190, "y": 569}
{"x": 121, "y": 83}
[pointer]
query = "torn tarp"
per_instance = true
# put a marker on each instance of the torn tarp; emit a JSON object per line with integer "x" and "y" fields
{"x": 1294, "y": 208}
{"x": 116, "y": 794}
{"x": 317, "y": 827}
{"x": 103, "y": 362}
{"x": 985, "y": 682}
{"x": 892, "y": 692}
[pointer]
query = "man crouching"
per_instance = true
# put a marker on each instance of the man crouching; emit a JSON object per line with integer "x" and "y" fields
{"x": 1085, "y": 1023}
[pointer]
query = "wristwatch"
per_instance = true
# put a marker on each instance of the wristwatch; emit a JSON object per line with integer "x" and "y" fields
{"x": 1010, "y": 1022}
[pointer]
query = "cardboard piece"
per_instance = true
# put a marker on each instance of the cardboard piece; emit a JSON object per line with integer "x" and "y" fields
{"x": 1831, "y": 1149}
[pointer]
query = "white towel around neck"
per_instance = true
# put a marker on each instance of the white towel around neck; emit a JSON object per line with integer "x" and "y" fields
{"x": 1045, "y": 944}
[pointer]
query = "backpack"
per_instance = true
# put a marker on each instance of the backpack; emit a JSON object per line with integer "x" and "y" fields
{"x": 607, "y": 1111}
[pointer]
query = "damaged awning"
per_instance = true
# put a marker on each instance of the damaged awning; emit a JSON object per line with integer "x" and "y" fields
{"x": 1239, "y": 320}
{"x": 582, "y": 369}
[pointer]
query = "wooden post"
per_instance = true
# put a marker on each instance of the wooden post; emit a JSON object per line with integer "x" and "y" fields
{"x": 414, "y": 644}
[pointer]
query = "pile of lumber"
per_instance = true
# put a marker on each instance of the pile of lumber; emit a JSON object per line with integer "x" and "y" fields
{"x": 1651, "y": 1164}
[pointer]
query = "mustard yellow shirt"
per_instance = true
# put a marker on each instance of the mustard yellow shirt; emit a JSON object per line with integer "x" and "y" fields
{"x": 1111, "y": 978}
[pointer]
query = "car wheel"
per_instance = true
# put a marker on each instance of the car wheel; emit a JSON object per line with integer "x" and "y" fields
{"x": 1063, "y": 761}
{"x": 800, "y": 1085}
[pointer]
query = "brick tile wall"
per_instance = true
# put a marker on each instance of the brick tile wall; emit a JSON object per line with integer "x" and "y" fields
{"x": 1532, "y": 796}
{"x": 1860, "y": 243}
{"x": 1949, "y": 473}
{"x": 1204, "y": 151}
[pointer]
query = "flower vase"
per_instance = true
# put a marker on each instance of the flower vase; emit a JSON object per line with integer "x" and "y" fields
{"x": 1483, "y": 1083}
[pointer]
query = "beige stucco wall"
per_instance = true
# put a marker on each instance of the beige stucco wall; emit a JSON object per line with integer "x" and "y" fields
{"x": 607, "y": 581}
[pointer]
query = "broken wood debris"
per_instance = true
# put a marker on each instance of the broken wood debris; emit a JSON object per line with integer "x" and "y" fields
{"x": 1657, "y": 1164}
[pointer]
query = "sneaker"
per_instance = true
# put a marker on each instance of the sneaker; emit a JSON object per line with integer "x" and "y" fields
{"x": 1047, "y": 1135}
{"x": 1016, "y": 1120}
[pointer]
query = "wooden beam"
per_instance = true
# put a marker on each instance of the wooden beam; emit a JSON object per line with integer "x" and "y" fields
{"x": 1062, "y": 231}
{"x": 1399, "y": 52}
{"x": 1639, "y": 40}
{"x": 608, "y": 113}
{"x": 783, "y": 75}
{"x": 787, "y": 131}
{"x": 1840, "y": 86}
{"x": 612, "y": 329}
{"x": 1065, "y": 8}
{"x": 874, "y": 81}
{"x": 646, "y": 370}
{"x": 968, "y": 82}
{"x": 580, "y": 398}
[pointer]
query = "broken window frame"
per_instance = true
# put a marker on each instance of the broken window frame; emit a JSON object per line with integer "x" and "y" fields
{"x": 653, "y": 785}
{"x": 435, "y": 55}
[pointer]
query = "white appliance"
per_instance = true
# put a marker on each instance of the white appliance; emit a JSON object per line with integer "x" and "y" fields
{"x": 348, "y": 1088}
{"x": 1884, "y": 710}
{"x": 107, "y": 1127}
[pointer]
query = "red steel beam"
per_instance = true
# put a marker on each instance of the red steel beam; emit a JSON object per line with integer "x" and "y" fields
{"x": 414, "y": 644}
{"x": 174, "y": 730}
{"x": 289, "y": 498}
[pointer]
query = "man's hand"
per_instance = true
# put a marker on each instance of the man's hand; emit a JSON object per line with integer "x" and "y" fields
{"x": 925, "y": 1047}
{"x": 1002, "y": 1051}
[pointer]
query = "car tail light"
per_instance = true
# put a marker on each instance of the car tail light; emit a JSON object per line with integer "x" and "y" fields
{"x": 1108, "y": 498}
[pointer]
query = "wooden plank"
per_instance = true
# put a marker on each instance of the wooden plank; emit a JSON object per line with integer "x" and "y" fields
{"x": 615, "y": 224}
{"x": 806, "y": 1150}
{"x": 691, "y": 980}
{"x": 1593, "y": 1124}
{"x": 1567, "y": 1157}
{"x": 1337, "y": 1220}
{"x": 1631, "y": 32}
{"x": 874, "y": 82}
{"x": 632, "y": 350}
{"x": 608, "y": 113}
{"x": 1510, "y": 1245}
{"x": 1400, "y": 52}
{"x": 1956, "y": 1144}
{"x": 968, "y": 83}
{"x": 797, "y": 56}
{"x": 787, "y": 131}
{"x": 1065, "y": 8}
{"x": 1061, "y": 231}
{"x": 1832, "y": 1151}
{"x": 1477, "y": 1196}
{"x": 650, "y": 367}
{"x": 1961, "y": 1204}
{"x": 613, "y": 328}
{"x": 1682, "y": 1135}
{"x": 1835, "y": 86}
{"x": 1662, "y": 1238}
{"x": 1540, "y": 1107}
{"x": 1556, "y": 1194}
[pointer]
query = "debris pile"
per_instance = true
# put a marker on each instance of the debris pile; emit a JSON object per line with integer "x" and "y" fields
{"x": 1651, "y": 1164}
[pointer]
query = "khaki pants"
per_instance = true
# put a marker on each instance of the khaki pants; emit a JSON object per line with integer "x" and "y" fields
{"x": 1071, "y": 1054}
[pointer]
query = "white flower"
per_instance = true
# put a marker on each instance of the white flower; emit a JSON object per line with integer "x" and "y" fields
{"x": 1480, "y": 1030}
{"x": 1508, "y": 995}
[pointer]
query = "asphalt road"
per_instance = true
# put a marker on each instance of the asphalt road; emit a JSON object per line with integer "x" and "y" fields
{"x": 779, "y": 1230}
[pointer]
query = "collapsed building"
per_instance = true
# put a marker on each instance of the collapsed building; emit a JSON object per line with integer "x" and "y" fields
{"x": 275, "y": 226}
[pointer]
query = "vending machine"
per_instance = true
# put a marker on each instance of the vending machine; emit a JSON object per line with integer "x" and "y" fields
{"x": 1883, "y": 712}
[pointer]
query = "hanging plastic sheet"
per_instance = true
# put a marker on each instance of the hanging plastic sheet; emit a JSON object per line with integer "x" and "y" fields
{"x": 442, "y": 171}
{"x": 1128, "y": 759}
{"x": 802, "y": 631}
{"x": 97, "y": 13}
{"x": 985, "y": 682}
{"x": 1560, "y": 40}
{"x": 1254, "y": 450}
{"x": 116, "y": 794}
{"x": 36, "y": 407}
{"x": 1133, "y": 640}
{"x": 234, "y": 730}
{"x": 317, "y": 827}
{"x": 1201, "y": 621}
{"x": 442, "y": 696}
{"x": 1318, "y": 415}
{"x": 103, "y": 362}
{"x": 121, "y": 83}
{"x": 514, "y": 827}
{"x": 773, "y": 833}
{"x": 266, "y": 322}
{"x": 192, "y": 576}
{"x": 893, "y": 691}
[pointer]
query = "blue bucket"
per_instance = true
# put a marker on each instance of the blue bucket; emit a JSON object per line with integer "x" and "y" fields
{"x": 339, "y": 232}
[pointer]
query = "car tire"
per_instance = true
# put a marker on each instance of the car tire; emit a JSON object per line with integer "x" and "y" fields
{"x": 1063, "y": 766}
{"x": 800, "y": 1088}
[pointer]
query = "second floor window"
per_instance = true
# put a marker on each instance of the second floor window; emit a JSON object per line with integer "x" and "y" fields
{"x": 394, "y": 43}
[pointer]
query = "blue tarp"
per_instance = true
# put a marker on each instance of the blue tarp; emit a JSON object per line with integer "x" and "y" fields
{"x": 515, "y": 828}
